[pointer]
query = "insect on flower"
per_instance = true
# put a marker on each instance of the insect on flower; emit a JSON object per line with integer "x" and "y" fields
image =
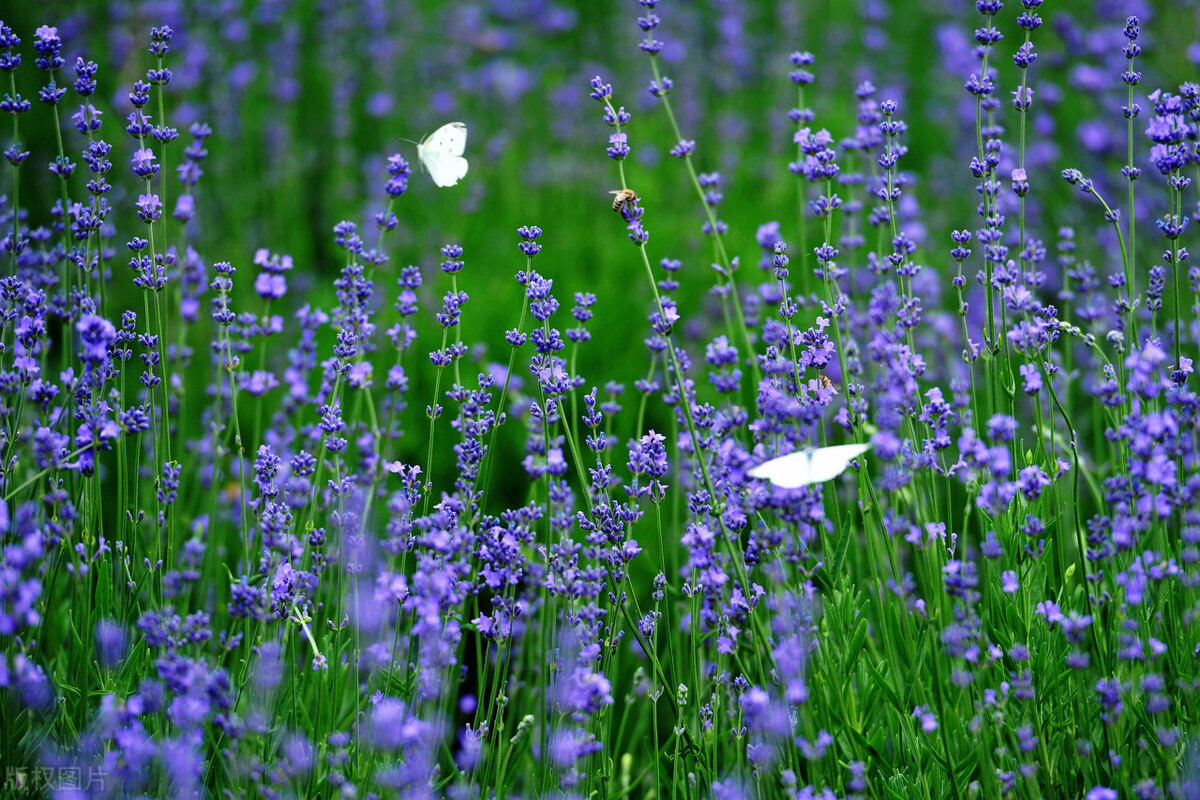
{"x": 623, "y": 196}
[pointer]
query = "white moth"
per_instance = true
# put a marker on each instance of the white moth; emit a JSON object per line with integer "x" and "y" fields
{"x": 441, "y": 152}
{"x": 804, "y": 467}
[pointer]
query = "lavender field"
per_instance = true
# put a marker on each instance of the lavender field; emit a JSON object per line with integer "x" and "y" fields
{"x": 782, "y": 399}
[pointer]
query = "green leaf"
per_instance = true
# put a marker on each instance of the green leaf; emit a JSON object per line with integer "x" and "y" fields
{"x": 886, "y": 688}
{"x": 857, "y": 641}
{"x": 839, "y": 558}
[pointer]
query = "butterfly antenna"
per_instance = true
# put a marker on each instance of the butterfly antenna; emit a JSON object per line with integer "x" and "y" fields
{"x": 420, "y": 163}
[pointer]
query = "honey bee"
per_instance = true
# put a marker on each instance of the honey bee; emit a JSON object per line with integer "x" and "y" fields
{"x": 621, "y": 197}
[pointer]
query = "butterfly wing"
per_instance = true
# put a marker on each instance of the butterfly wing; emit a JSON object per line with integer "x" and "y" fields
{"x": 442, "y": 153}
{"x": 445, "y": 170}
{"x": 803, "y": 467}
{"x": 789, "y": 472}
{"x": 829, "y": 462}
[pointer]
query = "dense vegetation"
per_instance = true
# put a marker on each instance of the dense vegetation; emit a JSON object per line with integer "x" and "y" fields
{"x": 320, "y": 480}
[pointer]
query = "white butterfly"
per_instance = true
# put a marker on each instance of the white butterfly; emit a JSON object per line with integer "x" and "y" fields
{"x": 808, "y": 466}
{"x": 442, "y": 153}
